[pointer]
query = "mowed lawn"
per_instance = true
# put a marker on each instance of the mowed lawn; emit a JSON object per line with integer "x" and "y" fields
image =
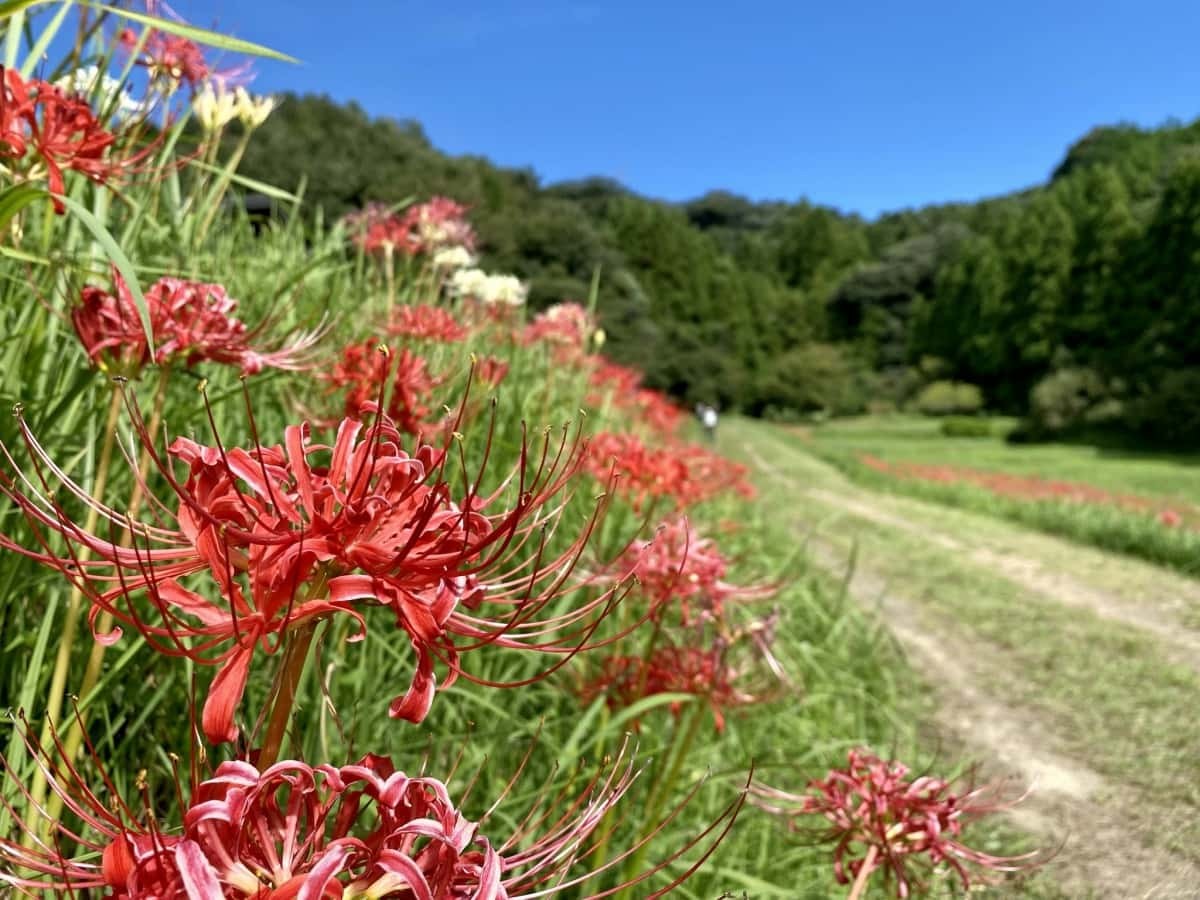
{"x": 1137, "y": 503}
{"x": 918, "y": 439}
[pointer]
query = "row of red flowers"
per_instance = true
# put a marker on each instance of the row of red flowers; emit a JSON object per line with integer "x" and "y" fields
{"x": 1032, "y": 488}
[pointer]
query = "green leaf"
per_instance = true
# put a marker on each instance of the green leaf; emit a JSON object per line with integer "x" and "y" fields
{"x": 252, "y": 183}
{"x": 16, "y": 198}
{"x": 38, "y": 52}
{"x": 192, "y": 33}
{"x": 12, "y": 7}
{"x": 118, "y": 258}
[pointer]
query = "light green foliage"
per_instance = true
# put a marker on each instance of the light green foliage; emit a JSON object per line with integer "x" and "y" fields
{"x": 946, "y": 398}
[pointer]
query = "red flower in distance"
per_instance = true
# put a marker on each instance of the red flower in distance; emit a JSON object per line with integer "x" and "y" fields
{"x": 423, "y": 228}
{"x": 172, "y": 58}
{"x": 565, "y": 325}
{"x": 706, "y": 673}
{"x": 620, "y": 380}
{"x": 491, "y": 370}
{"x": 427, "y": 323}
{"x": 375, "y": 228}
{"x": 685, "y": 474}
{"x": 437, "y": 223}
{"x": 363, "y": 369}
{"x": 677, "y": 568}
{"x": 644, "y": 473}
{"x": 873, "y": 807}
{"x": 289, "y": 534}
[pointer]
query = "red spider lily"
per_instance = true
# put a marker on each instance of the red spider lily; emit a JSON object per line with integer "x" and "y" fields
{"x": 657, "y": 410}
{"x": 200, "y": 325}
{"x": 17, "y": 103}
{"x": 62, "y": 132}
{"x": 620, "y": 380}
{"x": 491, "y": 370}
{"x": 427, "y": 323}
{"x": 110, "y": 331}
{"x": 363, "y": 367}
{"x": 566, "y": 325}
{"x": 644, "y": 473}
{"x": 294, "y": 533}
{"x": 191, "y": 322}
{"x": 423, "y": 228}
{"x": 707, "y": 673}
{"x": 678, "y": 567}
{"x": 872, "y": 804}
{"x": 376, "y": 228}
{"x": 174, "y": 59}
{"x": 710, "y": 474}
{"x": 685, "y": 474}
{"x": 437, "y": 223}
{"x": 299, "y": 831}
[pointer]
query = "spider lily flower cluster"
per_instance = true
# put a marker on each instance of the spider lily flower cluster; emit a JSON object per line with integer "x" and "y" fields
{"x": 704, "y": 643}
{"x": 881, "y": 818}
{"x": 171, "y": 59}
{"x": 450, "y": 536}
{"x": 46, "y": 131}
{"x": 190, "y": 321}
{"x": 427, "y": 228}
{"x": 293, "y": 830}
{"x": 291, "y": 534}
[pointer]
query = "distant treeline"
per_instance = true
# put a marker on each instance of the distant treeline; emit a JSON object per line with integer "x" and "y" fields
{"x": 1076, "y": 302}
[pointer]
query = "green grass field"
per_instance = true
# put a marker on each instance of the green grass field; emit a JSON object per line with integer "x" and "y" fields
{"x": 1141, "y": 486}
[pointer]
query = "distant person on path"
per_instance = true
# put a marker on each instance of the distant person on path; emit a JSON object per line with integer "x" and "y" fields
{"x": 708, "y": 420}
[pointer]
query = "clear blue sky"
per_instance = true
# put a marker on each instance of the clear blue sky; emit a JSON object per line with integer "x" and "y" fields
{"x": 868, "y": 106}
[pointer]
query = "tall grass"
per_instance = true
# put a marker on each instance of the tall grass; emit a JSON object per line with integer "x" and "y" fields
{"x": 180, "y": 215}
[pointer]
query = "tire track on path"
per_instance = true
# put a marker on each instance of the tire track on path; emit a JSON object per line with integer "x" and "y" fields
{"x": 1103, "y": 827}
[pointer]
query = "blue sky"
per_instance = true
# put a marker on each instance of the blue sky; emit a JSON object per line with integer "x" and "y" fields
{"x": 867, "y": 106}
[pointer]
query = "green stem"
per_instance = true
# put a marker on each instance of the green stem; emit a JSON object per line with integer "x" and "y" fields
{"x": 104, "y": 624}
{"x": 389, "y": 275}
{"x": 294, "y": 657}
{"x": 222, "y": 185}
{"x": 62, "y": 662}
{"x": 681, "y": 746}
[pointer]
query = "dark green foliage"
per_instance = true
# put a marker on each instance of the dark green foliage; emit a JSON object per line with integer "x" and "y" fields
{"x": 965, "y": 427}
{"x": 814, "y": 378}
{"x": 757, "y": 305}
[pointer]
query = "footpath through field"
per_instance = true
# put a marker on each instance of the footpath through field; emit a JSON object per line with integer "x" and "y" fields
{"x": 1071, "y": 668}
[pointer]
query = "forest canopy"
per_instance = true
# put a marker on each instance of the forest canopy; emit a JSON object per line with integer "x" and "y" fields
{"x": 1075, "y": 303}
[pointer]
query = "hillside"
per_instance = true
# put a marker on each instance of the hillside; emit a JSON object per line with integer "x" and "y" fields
{"x": 1075, "y": 302}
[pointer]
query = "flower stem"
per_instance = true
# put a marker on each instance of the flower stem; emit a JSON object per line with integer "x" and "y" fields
{"x": 389, "y": 276}
{"x": 62, "y": 662}
{"x": 294, "y": 657}
{"x": 91, "y": 675}
{"x": 864, "y": 873}
{"x": 681, "y": 747}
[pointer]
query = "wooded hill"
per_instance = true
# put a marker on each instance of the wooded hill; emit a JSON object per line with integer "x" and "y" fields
{"x": 1077, "y": 302}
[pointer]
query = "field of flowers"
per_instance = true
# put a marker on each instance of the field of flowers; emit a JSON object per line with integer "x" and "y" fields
{"x": 328, "y": 571}
{"x": 1146, "y": 506}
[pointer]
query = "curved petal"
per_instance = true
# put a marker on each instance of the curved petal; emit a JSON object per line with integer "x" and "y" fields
{"x": 225, "y": 694}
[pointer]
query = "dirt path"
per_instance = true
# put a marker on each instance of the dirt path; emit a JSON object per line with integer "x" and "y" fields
{"x": 1106, "y": 831}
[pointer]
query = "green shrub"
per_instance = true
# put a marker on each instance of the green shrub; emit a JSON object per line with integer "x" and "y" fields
{"x": 1068, "y": 398}
{"x": 815, "y": 378}
{"x": 965, "y": 427}
{"x": 1171, "y": 412}
{"x": 948, "y": 398}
